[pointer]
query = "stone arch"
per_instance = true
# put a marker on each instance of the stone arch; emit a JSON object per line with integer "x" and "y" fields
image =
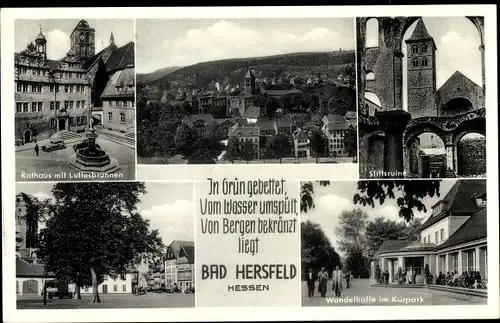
{"x": 413, "y": 131}
{"x": 476, "y": 125}
{"x": 457, "y": 105}
{"x": 27, "y": 136}
{"x": 371, "y": 153}
{"x": 30, "y": 286}
{"x": 372, "y": 103}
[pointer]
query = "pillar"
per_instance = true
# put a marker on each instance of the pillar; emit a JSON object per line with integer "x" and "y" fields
{"x": 459, "y": 261}
{"x": 393, "y": 122}
{"x": 481, "y": 48}
{"x": 391, "y": 270}
{"x": 477, "y": 259}
{"x": 447, "y": 263}
{"x": 450, "y": 156}
{"x": 406, "y": 161}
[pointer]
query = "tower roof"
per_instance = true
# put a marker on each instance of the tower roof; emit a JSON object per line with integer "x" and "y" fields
{"x": 111, "y": 38}
{"x": 40, "y": 36}
{"x": 420, "y": 33}
{"x": 82, "y": 24}
{"x": 249, "y": 74}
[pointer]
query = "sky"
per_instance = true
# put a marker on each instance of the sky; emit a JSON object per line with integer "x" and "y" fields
{"x": 331, "y": 200}
{"x": 457, "y": 42}
{"x": 183, "y": 42}
{"x": 58, "y": 31}
{"x": 168, "y": 206}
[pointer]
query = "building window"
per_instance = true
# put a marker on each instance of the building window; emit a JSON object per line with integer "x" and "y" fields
{"x": 58, "y": 104}
{"x": 33, "y": 106}
{"x": 424, "y": 48}
{"x": 125, "y": 103}
{"x": 52, "y": 122}
{"x": 51, "y": 88}
{"x": 19, "y": 87}
{"x": 110, "y": 116}
{"x": 40, "y": 106}
{"x": 25, "y": 107}
{"x": 26, "y": 88}
{"x": 454, "y": 262}
{"x": 19, "y": 107}
{"x": 78, "y": 104}
{"x": 66, "y": 88}
{"x": 442, "y": 234}
{"x": 66, "y": 105}
{"x": 414, "y": 49}
{"x": 424, "y": 62}
{"x": 71, "y": 104}
{"x": 414, "y": 63}
{"x": 133, "y": 103}
{"x": 83, "y": 104}
{"x": 71, "y": 88}
{"x": 124, "y": 288}
{"x": 105, "y": 278}
{"x": 470, "y": 256}
{"x": 436, "y": 237}
{"x": 52, "y": 105}
{"x": 115, "y": 288}
{"x": 122, "y": 117}
{"x": 425, "y": 240}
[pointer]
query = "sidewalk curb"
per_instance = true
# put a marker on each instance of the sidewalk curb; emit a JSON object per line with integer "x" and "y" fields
{"x": 41, "y": 144}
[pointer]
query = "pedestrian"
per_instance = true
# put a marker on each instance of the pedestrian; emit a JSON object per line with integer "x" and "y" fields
{"x": 337, "y": 281}
{"x": 37, "y": 149}
{"x": 348, "y": 279}
{"x": 323, "y": 279}
{"x": 311, "y": 279}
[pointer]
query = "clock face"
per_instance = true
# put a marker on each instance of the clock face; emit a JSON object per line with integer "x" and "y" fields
{"x": 82, "y": 37}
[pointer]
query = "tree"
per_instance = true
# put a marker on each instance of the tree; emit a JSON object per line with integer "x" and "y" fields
{"x": 351, "y": 142}
{"x": 201, "y": 156}
{"x": 351, "y": 229}
{"x": 355, "y": 262}
{"x": 185, "y": 139}
{"x": 186, "y": 108}
{"x": 248, "y": 151}
{"x": 411, "y": 194}
{"x": 318, "y": 144}
{"x": 271, "y": 107}
{"x": 380, "y": 230}
{"x": 316, "y": 248}
{"x": 94, "y": 230}
{"x": 233, "y": 149}
{"x": 282, "y": 146}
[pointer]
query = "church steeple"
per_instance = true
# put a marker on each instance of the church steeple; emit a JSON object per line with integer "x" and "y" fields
{"x": 111, "y": 39}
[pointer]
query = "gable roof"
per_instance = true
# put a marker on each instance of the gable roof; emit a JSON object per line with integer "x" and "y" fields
{"x": 121, "y": 58}
{"x": 393, "y": 245}
{"x": 456, "y": 78}
{"x": 458, "y": 201}
{"x": 252, "y": 113}
{"x": 474, "y": 228}
{"x": 207, "y": 118}
{"x": 182, "y": 248}
{"x": 28, "y": 270}
{"x": 420, "y": 33}
{"x": 118, "y": 84}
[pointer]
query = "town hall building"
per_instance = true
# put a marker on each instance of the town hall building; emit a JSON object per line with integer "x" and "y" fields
{"x": 61, "y": 95}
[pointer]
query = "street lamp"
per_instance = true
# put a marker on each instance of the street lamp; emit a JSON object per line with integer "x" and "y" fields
{"x": 53, "y": 76}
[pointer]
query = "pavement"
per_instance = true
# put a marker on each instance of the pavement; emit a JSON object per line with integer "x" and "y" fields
{"x": 53, "y": 166}
{"x": 149, "y": 300}
{"x": 361, "y": 293}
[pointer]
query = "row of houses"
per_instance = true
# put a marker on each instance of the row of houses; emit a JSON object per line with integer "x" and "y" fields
{"x": 262, "y": 132}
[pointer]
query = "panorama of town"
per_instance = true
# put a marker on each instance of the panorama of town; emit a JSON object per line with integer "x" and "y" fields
{"x": 291, "y": 108}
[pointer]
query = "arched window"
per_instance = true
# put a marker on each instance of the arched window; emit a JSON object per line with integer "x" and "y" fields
{"x": 372, "y": 32}
{"x": 423, "y": 48}
{"x": 414, "y": 49}
{"x": 414, "y": 63}
{"x": 424, "y": 62}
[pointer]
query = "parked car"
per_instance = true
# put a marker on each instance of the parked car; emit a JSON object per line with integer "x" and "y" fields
{"x": 54, "y": 144}
{"x": 189, "y": 290}
{"x": 58, "y": 289}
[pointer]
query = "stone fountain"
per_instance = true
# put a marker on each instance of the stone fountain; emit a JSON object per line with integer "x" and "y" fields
{"x": 90, "y": 158}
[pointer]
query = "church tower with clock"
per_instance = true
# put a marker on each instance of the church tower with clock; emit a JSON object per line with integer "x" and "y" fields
{"x": 83, "y": 41}
{"x": 421, "y": 67}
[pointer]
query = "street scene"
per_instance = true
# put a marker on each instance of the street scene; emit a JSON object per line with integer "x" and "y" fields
{"x": 285, "y": 94}
{"x": 75, "y": 100}
{"x": 145, "y": 261}
{"x": 421, "y": 94}
{"x": 421, "y": 242}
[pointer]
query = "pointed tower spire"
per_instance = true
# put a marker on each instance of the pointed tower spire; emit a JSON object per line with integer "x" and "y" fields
{"x": 420, "y": 34}
{"x": 111, "y": 39}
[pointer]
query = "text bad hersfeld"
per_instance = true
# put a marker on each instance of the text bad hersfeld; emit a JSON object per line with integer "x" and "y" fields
{"x": 250, "y": 271}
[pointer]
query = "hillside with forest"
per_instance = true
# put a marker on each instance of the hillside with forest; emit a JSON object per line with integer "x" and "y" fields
{"x": 229, "y": 72}
{"x": 158, "y": 74}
